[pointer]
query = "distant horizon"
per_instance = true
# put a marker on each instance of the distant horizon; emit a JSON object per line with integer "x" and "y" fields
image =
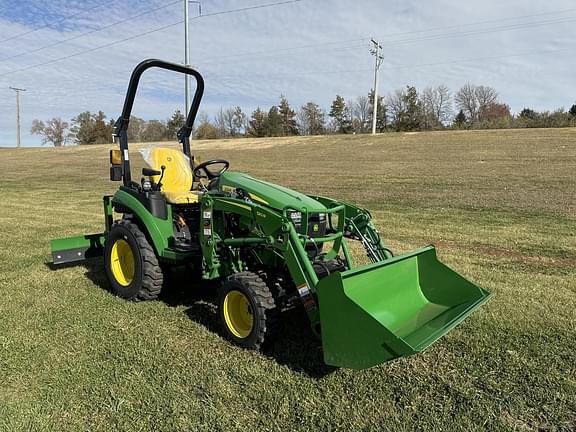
{"x": 391, "y": 133}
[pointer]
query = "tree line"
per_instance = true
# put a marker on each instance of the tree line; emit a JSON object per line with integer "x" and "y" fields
{"x": 405, "y": 109}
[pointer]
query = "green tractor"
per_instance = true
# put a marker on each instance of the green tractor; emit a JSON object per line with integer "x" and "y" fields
{"x": 272, "y": 248}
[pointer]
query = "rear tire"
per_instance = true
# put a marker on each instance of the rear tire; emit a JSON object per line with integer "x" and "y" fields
{"x": 131, "y": 264}
{"x": 247, "y": 311}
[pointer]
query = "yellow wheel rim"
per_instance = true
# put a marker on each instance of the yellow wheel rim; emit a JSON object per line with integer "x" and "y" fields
{"x": 122, "y": 262}
{"x": 238, "y": 314}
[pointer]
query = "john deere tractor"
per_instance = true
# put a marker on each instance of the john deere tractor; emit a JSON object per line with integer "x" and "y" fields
{"x": 271, "y": 248}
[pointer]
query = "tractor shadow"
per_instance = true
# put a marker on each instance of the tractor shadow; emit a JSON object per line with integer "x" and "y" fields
{"x": 294, "y": 346}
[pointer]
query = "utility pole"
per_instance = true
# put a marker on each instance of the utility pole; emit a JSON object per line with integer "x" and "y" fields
{"x": 17, "y": 90}
{"x": 187, "y": 48}
{"x": 375, "y": 51}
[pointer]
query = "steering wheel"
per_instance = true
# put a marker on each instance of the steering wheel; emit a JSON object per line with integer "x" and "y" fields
{"x": 211, "y": 174}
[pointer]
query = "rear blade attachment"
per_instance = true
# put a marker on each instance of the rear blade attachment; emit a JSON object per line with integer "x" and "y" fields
{"x": 78, "y": 248}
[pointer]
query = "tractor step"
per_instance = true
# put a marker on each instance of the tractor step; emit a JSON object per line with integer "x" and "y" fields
{"x": 393, "y": 308}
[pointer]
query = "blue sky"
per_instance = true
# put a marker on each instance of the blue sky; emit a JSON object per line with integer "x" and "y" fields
{"x": 307, "y": 50}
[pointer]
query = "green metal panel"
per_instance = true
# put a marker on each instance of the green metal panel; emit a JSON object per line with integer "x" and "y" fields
{"x": 392, "y": 308}
{"x": 159, "y": 230}
{"x": 270, "y": 194}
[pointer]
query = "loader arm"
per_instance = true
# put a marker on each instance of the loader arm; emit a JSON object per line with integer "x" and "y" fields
{"x": 358, "y": 226}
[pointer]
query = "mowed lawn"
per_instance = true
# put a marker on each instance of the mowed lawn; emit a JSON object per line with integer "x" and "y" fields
{"x": 499, "y": 205}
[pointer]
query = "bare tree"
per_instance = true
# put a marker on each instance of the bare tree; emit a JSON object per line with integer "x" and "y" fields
{"x": 473, "y": 100}
{"x": 55, "y": 131}
{"x": 205, "y": 129}
{"x": 436, "y": 106}
{"x": 154, "y": 130}
{"x": 361, "y": 113}
{"x": 466, "y": 101}
{"x": 230, "y": 122}
{"x": 222, "y": 122}
{"x": 396, "y": 103}
{"x": 486, "y": 97}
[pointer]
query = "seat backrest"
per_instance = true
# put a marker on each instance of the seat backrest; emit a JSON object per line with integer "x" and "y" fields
{"x": 178, "y": 174}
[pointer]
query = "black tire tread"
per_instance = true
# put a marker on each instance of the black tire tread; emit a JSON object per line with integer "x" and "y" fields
{"x": 152, "y": 277}
{"x": 270, "y": 315}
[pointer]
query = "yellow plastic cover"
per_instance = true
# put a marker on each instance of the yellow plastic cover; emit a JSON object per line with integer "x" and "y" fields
{"x": 178, "y": 174}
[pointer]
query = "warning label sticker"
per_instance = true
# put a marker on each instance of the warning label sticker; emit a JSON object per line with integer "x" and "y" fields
{"x": 303, "y": 290}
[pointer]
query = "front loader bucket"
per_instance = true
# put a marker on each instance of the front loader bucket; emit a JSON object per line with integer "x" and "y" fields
{"x": 392, "y": 308}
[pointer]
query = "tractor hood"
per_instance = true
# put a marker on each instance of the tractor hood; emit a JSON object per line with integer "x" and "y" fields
{"x": 269, "y": 194}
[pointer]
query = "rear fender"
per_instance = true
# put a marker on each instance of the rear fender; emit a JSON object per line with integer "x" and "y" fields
{"x": 160, "y": 231}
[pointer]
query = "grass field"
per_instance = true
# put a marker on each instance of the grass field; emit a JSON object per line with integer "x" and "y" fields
{"x": 499, "y": 205}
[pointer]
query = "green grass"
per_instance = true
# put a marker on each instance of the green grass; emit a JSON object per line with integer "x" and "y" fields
{"x": 499, "y": 205}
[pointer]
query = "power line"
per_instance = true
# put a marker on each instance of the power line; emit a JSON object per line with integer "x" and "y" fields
{"x": 56, "y": 60}
{"x": 342, "y": 71}
{"x": 58, "y": 21}
{"x": 243, "y": 55}
{"x": 146, "y": 12}
{"x": 138, "y": 35}
{"x": 244, "y": 9}
{"x": 354, "y": 71}
{"x": 415, "y": 66}
{"x": 389, "y": 35}
{"x": 477, "y": 23}
{"x": 471, "y": 59}
{"x": 274, "y": 52}
{"x": 482, "y": 31}
{"x": 432, "y": 37}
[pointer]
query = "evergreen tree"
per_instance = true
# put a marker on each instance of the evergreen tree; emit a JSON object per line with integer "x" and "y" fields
{"x": 408, "y": 116}
{"x": 102, "y": 130}
{"x": 287, "y": 118}
{"x": 174, "y": 124}
{"x": 88, "y": 128}
{"x": 572, "y": 110}
{"x": 257, "y": 123}
{"x": 460, "y": 120}
{"x": 312, "y": 119}
{"x": 340, "y": 119}
{"x": 528, "y": 114}
{"x": 273, "y": 126}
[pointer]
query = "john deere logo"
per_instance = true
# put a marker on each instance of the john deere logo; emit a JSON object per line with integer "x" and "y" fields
{"x": 315, "y": 228}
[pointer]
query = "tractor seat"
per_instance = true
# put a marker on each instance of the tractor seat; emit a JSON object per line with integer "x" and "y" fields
{"x": 178, "y": 177}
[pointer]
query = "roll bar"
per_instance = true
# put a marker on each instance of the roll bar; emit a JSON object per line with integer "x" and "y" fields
{"x": 121, "y": 125}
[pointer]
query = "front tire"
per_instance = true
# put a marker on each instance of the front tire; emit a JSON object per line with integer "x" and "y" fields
{"x": 131, "y": 264}
{"x": 247, "y": 311}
